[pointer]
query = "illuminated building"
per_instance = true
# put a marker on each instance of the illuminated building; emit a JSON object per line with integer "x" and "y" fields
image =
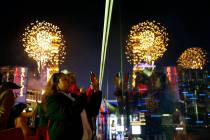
{"x": 34, "y": 96}
{"x": 51, "y": 70}
{"x": 195, "y": 94}
{"x": 141, "y": 68}
{"x": 112, "y": 126}
{"x": 18, "y": 75}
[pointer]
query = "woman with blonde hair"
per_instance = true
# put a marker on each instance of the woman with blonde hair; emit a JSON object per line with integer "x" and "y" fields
{"x": 67, "y": 117}
{"x": 42, "y": 127}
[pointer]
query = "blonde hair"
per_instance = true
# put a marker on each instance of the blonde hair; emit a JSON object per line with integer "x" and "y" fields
{"x": 51, "y": 87}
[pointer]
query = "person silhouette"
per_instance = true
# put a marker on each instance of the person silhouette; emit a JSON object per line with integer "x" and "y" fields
{"x": 7, "y": 100}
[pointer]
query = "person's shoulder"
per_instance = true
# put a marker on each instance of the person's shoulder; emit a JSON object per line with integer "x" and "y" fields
{"x": 7, "y": 93}
{"x": 56, "y": 96}
{"x": 2, "y": 94}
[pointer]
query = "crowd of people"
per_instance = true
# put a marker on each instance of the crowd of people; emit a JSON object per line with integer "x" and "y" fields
{"x": 69, "y": 112}
{"x": 65, "y": 112}
{"x": 151, "y": 93}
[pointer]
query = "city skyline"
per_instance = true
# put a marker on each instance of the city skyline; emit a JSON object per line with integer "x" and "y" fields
{"x": 82, "y": 26}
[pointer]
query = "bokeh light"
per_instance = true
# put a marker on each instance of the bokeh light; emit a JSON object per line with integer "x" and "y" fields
{"x": 193, "y": 58}
{"x": 44, "y": 43}
{"x": 146, "y": 42}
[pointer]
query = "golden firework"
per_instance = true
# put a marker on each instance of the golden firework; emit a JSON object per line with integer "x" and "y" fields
{"x": 147, "y": 42}
{"x": 44, "y": 43}
{"x": 193, "y": 58}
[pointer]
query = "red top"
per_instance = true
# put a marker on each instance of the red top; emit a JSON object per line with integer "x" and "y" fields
{"x": 89, "y": 92}
{"x": 74, "y": 89}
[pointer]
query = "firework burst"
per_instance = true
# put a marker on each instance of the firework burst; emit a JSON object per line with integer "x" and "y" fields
{"x": 44, "y": 43}
{"x": 193, "y": 58}
{"x": 147, "y": 42}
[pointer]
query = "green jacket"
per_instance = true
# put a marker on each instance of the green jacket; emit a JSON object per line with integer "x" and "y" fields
{"x": 64, "y": 115}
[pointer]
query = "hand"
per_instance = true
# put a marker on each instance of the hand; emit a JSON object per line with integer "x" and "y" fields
{"x": 82, "y": 90}
{"x": 117, "y": 81}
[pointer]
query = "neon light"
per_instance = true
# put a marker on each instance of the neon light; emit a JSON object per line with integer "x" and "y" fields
{"x": 168, "y": 73}
{"x": 16, "y": 72}
{"x": 155, "y": 116}
{"x": 144, "y": 65}
{"x": 31, "y": 100}
{"x": 143, "y": 110}
{"x": 175, "y": 72}
{"x": 184, "y": 85}
{"x": 141, "y": 104}
{"x": 199, "y": 122}
{"x": 193, "y": 98}
{"x": 42, "y": 92}
{"x": 156, "y": 100}
{"x": 166, "y": 115}
{"x": 22, "y": 80}
{"x": 179, "y": 128}
{"x": 189, "y": 95}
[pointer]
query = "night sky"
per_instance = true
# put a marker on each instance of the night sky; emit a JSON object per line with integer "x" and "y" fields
{"x": 81, "y": 22}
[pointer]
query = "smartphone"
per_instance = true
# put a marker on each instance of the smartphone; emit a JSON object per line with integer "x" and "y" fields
{"x": 92, "y": 77}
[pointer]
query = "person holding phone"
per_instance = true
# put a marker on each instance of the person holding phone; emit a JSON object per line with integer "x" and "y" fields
{"x": 66, "y": 112}
{"x": 94, "y": 98}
